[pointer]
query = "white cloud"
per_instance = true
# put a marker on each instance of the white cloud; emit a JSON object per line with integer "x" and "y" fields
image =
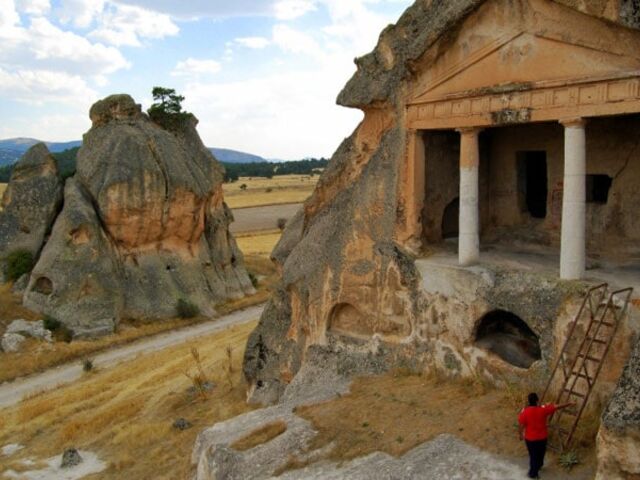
{"x": 290, "y": 9}
{"x": 124, "y": 25}
{"x": 205, "y": 8}
{"x": 33, "y": 7}
{"x": 253, "y": 42}
{"x": 80, "y": 13}
{"x": 64, "y": 50}
{"x": 295, "y": 41}
{"x": 9, "y": 18}
{"x": 40, "y": 86}
{"x": 288, "y": 115}
{"x": 194, "y": 67}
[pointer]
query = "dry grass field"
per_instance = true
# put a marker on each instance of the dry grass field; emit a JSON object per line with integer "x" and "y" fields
{"x": 265, "y": 191}
{"x": 125, "y": 414}
{"x": 3, "y": 187}
{"x": 396, "y": 412}
{"x": 37, "y": 356}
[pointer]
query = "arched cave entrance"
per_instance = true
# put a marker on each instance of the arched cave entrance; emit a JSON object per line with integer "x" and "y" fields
{"x": 509, "y": 337}
{"x": 450, "y": 219}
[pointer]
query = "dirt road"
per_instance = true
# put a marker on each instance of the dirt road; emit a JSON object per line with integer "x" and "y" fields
{"x": 261, "y": 218}
{"x": 13, "y": 392}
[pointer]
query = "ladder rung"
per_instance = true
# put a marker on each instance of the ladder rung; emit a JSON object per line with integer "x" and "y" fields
{"x": 571, "y": 392}
{"x": 596, "y": 340}
{"x": 589, "y": 357}
{"x": 582, "y": 375}
{"x": 608, "y": 324}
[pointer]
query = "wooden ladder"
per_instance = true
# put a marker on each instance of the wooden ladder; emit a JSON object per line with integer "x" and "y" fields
{"x": 577, "y": 371}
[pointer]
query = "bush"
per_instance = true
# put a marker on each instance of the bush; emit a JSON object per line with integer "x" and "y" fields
{"x": 186, "y": 309}
{"x": 282, "y": 222}
{"x": 87, "y": 365}
{"x": 269, "y": 190}
{"x": 18, "y": 263}
{"x": 254, "y": 279}
{"x": 67, "y": 334}
{"x": 568, "y": 460}
{"x": 51, "y": 323}
{"x": 243, "y": 186}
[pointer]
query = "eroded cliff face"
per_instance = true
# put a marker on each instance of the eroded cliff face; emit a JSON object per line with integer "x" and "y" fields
{"x": 144, "y": 224}
{"x": 345, "y": 265}
{"x": 30, "y": 203}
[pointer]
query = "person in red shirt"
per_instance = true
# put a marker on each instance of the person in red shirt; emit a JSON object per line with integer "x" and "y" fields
{"x": 533, "y": 428}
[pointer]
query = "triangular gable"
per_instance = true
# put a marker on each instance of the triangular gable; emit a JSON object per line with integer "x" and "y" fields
{"x": 526, "y": 42}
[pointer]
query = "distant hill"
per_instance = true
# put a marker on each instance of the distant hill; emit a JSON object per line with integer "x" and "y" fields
{"x": 12, "y": 149}
{"x": 233, "y": 156}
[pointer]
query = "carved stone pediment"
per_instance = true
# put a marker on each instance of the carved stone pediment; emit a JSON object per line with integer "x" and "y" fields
{"x": 511, "y": 59}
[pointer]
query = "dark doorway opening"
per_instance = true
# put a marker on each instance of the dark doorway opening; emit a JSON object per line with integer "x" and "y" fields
{"x": 598, "y": 188}
{"x": 509, "y": 337}
{"x": 532, "y": 182}
{"x": 451, "y": 219}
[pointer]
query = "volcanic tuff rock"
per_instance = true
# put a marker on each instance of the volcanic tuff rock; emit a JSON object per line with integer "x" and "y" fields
{"x": 342, "y": 265}
{"x": 144, "y": 224}
{"x": 31, "y": 202}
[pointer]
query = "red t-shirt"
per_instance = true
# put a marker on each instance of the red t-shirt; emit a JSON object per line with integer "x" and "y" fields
{"x": 534, "y": 421}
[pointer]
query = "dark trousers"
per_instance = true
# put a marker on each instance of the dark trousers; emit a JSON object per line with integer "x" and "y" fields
{"x": 537, "y": 449}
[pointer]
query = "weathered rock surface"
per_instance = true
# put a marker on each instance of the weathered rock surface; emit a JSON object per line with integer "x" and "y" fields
{"x": 31, "y": 202}
{"x": 12, "y": 342}
{"x": 619, "y": 436}
{"x": 347, "y": 259}
{"x": 144, "y": 224}
{"x": 30, "y": 329}
{"x": 70, "y": 458}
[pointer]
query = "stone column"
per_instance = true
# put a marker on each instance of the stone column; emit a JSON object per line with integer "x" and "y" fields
{"x": 469, "y": 228}
{"x": 572, "y": 248}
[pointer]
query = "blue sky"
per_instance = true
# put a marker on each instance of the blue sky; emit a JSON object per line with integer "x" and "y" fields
{"x": 261, "y": 75}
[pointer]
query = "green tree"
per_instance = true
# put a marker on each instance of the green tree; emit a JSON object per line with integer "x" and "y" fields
{"x": 166, "y": 110}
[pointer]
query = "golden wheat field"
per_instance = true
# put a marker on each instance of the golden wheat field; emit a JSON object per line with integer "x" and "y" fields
{"x": 125, "y": 414}
{"x": 269, "y": 191}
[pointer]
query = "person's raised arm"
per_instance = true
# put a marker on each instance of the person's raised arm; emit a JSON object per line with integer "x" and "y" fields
{"x": 565, "y": 405}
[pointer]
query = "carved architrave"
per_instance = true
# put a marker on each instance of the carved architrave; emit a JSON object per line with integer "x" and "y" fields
{"x": 544, "y": 101}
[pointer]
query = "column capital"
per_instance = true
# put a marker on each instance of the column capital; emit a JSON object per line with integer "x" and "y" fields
{"x": 574, "y": 122}
{"x": 469, "y": 130}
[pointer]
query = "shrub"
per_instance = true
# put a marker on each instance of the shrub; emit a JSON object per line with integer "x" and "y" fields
{"x": 186, "y": 309}
{"x": 166, "y": 110}
{"x": 18, "y": 263}
{"x": 243, "y": 186}
{"x": 254, "y": 279}
{"x": 282, "y": 222}
{"x": 67, "y": 334}
{"x": 87, "y": 365}
{"x": 269, "y": 190}
{"x": 51, "y": 323}
{"x": 568, "y": 460}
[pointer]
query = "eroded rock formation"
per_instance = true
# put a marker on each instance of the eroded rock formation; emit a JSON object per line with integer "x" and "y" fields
{"x": 347, "y": 260}
{"x": 31, "y": 202}
{"x": 144, "y": 224}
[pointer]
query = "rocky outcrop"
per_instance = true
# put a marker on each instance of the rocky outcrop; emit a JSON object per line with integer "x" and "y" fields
{"x": 144, "y": 225}
{"x": 346, "y": 260}
{"x": 619, "y": 436}
{"x": 30, "y": 203}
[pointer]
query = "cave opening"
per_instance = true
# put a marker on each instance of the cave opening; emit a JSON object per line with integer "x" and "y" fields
{"x": 509, "y": 337}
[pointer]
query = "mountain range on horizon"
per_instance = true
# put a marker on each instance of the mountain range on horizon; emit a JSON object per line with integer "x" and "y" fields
{"x": 11, "y": 149}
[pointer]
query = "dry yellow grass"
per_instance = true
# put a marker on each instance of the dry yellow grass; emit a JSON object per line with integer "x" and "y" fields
{"x": 258, "y": 243}
{"x": 3, "y": 187}
{"x": 125, "y": 414}
{"x": 260, "y": 436}
{"x": 283, "y": 189}
{"x": 37, "y": 356}
{"x": 396, "y": 412}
